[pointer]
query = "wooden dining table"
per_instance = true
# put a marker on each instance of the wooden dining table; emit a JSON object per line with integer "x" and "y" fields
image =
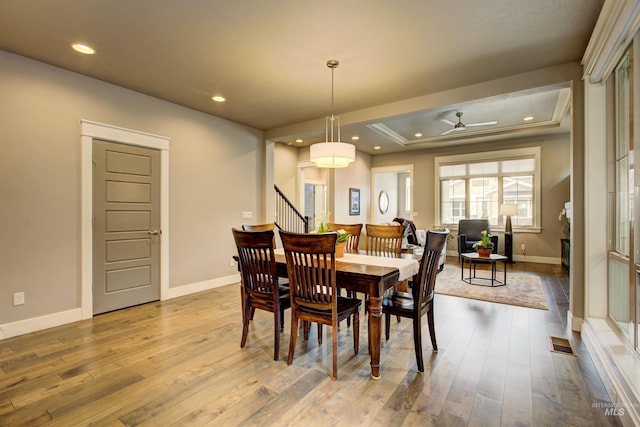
{"x": 370, "y": 279}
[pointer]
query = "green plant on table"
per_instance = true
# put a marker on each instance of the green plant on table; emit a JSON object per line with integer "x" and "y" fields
{"x": 485, "y": 242}
{"x": 343, "y": 236}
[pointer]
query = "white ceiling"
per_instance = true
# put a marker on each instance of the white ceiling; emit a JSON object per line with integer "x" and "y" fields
{"x": 267, "y": 57}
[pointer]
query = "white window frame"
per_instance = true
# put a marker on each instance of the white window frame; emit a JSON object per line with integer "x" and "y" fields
{"x": 487, "y": 156}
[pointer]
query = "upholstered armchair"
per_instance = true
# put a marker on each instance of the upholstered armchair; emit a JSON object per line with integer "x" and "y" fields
{"x": 470, "y": 231}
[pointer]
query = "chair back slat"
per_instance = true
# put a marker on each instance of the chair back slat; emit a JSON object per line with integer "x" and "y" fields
{"x": 311, "y": 265}
{"x": 384, "y": 240}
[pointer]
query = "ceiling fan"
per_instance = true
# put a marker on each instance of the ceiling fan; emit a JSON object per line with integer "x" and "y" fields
{"x": 462, "y": 126}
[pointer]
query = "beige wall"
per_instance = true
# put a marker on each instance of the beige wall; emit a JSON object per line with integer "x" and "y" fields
{"x": 40, "y": 191}
{"x": 556, "y": 169}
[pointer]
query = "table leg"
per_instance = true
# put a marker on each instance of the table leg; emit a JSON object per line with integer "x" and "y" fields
{"x": 505, "y": 272}
{"x": 375, "y": 327}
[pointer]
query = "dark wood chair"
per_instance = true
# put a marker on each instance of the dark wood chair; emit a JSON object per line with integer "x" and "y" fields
{"x": 419, "y": 300}
{"x": 311, "y": 265}
{"x": 258, "y": 227}
{"x": 384, "y": 240}
{"x": 260, "y": 287}
{"x": 354, "y": 230}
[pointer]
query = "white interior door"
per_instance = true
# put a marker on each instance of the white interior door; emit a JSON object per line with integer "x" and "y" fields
{"x": 126, "y": 226}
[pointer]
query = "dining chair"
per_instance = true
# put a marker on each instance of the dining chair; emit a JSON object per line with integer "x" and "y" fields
{"x": 258, "y": 227}
{"x": 419, "y": 300}
{"x": 384, "y": 240}
{"x": 354, "y": 230}
{"x": 260, "y": 287}
{"x": 311, "y": 266}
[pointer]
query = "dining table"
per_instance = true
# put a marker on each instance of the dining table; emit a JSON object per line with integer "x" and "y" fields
{"x": 371, "y": 275}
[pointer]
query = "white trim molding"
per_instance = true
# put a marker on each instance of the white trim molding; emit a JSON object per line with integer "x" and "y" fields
{"x": 89, "y": 131}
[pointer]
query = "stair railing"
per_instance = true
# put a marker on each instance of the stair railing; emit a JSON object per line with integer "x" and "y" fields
{"x": 288, "y": 218}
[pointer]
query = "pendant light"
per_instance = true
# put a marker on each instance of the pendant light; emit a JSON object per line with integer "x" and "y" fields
{"x": 332, "y": 154}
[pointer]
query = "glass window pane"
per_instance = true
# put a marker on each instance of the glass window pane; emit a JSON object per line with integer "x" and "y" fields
{"x": 449, "y": 171}
{"x": 484, "y": 168}
{"x": 452, "y": 200}
{"x": 483, "y": 199}
{"x": 518, "y": 190}
{"x": 518, "y": 166}
{"x": 619, "y": 294}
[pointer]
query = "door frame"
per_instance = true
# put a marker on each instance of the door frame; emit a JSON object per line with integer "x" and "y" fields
{"x": 387, "y": 169}
{"x": 89, "y": 131}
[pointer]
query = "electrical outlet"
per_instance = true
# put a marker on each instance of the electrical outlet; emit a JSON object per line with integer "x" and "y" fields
{"x": 232, "y": 262}
{"x": 18, "y": 298}
{"x": 523, "y": 247}
{"x": 247, "y": 214}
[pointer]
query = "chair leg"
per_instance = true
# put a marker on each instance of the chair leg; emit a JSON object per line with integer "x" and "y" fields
{"x": 305, "y": 329}
{"x": 282, "y": 319}
{"x": 387, "y": 325}
{"x": 417, "y": 342}
{"x": 293, "y": 337}
{"x": 245, "y": 324}
{"x": 334, "y": 339}
{"x": 319, "y": 334}
{"x": 356, "y": 332}
{"x": 276, "y": 334}
{"x": 432, "y": 329}
{"x": 253, "y": 311}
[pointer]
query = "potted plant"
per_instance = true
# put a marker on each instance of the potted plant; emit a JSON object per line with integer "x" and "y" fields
{"x": 343, "y": 236}
{"x": 484, "y": 246}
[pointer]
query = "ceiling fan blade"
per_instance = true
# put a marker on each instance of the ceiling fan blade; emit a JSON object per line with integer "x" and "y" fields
{"x": 449, "y": 122}
{"x": 451, "y": 130}
{"x": 483, "y": 123}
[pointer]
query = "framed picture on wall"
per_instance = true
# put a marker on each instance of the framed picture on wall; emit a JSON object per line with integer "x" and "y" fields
{"x": 354, "y": 201}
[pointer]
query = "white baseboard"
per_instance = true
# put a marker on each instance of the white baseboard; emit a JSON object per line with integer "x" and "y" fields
{"x": 26, "y": 326}
{"x": 202, "y": 286}
{"x": 34, "y": 324}
{"x": 574, "y": 323}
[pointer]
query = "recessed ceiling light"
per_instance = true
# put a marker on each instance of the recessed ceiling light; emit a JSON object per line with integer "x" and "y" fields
{"x": 528, "y": 118}
{"x": 355, "y": 137}
{"x": 218, "y": 98}
{"x": 298, "y": 140}
{"x": 83, "y": 48}
{"x": 418, "y": 135}
{"x": 377, "y": 147}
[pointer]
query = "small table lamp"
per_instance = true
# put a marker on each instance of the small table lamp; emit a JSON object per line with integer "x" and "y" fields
{"x": 508, "y": 211}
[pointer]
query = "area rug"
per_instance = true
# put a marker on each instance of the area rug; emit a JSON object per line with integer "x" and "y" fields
{"x": 522, "y": 289}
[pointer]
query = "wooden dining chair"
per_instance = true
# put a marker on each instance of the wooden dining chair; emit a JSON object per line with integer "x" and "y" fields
{"x": 354, "y": 230}
{"x": 419, "y": 300}
{"x": 311, "y": 265}
{"x": 260, "y": 287}
{"x": 258, "y": 227}
{"x": 384, "y": 240}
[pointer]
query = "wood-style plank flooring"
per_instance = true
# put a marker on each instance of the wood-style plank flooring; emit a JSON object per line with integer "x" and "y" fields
{"x": 179, "y": 363}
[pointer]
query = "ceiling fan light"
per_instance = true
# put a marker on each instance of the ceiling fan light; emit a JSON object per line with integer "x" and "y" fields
{"x": 332, "y": 154}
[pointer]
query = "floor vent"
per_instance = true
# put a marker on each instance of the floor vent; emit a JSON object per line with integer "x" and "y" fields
{"x": 560, "y": 345}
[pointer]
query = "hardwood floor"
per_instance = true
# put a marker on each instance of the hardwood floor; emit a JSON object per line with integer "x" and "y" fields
{"x": 179, "y": 362}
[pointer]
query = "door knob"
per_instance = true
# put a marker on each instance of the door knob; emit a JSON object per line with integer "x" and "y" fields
{"x": 154, "y": 232}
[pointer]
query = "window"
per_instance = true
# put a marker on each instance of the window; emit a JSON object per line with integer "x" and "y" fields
{"x": 621, "y": 286}
{"x": 475, "y": 185}
{"x": 407, "y": 194}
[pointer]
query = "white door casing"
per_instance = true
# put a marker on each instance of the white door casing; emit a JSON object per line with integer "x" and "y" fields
{"x": 89, "y": 131}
